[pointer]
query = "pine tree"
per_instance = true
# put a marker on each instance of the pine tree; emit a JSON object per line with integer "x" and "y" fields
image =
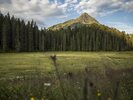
{"x": 17, "y": 39}
{"x": 5, "y": 32}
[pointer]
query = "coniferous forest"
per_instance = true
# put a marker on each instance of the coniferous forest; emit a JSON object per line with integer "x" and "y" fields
{"x": 16, "y": 35}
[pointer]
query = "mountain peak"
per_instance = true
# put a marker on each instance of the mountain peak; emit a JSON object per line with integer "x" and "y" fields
{"x": 84, "y": 15}
{"x": 83, "y": 19}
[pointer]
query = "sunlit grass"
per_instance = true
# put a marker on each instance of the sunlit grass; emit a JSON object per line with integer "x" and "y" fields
{"x": 25, "y": 63}
{"x": 33, "y": 75}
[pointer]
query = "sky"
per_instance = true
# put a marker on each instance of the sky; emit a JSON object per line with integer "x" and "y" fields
{"x": 113, "y": 13}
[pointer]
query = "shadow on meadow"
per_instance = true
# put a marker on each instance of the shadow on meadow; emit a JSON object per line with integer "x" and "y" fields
{"x": 90, "y": 84}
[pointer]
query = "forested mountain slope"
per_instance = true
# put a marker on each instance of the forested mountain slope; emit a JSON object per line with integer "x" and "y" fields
{"x": 18, "y": 36}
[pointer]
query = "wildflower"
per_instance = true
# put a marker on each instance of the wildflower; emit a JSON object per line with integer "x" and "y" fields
{"x": 17, "y": 77}
{"x": 42, "y": 99}
{"x": 98, "y": 93}
{"x": 32, "y": 98}
{"x": 47, "y": 84}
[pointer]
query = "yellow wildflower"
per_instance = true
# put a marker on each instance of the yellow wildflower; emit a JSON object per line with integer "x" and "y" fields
{"x": 98, "y": 94}
{"x": 32, "y": 98}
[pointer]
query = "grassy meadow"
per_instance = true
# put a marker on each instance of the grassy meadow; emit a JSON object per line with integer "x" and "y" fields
{"x": 72, "y": 76}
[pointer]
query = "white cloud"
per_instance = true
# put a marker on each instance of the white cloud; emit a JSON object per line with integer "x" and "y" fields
{"x": 121, "y": 26}
{"x": 39, "y": 10}
{"x": 103, "y": 7}
{"x": 71, "y": 1}
{"x": 71, "y": 5}
{"x": 128, "y": 6}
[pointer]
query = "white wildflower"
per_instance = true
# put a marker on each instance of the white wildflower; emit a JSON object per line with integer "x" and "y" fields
{"x": 47, "y": 84}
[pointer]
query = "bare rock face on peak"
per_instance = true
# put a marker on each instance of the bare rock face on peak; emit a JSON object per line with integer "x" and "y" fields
{"x": 84, "y": 19}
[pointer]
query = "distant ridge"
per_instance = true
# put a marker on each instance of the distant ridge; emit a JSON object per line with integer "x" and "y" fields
{"x": 84, "y": 19}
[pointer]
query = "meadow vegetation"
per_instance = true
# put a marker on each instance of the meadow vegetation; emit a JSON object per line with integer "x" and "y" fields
{"x": 66, "y": 76}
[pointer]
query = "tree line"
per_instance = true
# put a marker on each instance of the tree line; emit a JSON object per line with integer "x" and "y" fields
{"x": 16, "y": 35}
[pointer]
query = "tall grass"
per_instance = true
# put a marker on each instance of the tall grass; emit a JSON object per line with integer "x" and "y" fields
{"x": 88, "y": 84}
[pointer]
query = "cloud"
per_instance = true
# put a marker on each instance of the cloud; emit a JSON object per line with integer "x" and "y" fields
{"x": 71, "y": 1}
{"x": 69, "y": 5}
{"x": 103, "y": 7}
{"x": 5, "y": 1}
{"x": 39, "y": 10}
{"x": 121, "y": 26}
{"x": 128, "y": 6}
